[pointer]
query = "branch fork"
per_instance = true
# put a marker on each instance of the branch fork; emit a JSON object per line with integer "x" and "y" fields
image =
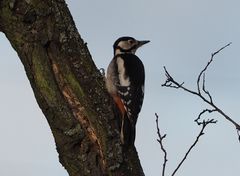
{"x": 203, "y": 94}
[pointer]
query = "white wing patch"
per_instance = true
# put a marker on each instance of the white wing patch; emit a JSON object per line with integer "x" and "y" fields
{"x": 124, "y": 81}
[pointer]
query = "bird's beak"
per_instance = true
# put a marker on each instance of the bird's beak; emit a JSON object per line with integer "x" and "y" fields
{"x": 142, "y": 42}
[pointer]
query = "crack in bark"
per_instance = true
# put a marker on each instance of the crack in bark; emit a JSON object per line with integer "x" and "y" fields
{"x": 78, "y": 110}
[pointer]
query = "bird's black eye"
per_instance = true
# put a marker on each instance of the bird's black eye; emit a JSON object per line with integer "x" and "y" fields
{"x": 130, "y": 41}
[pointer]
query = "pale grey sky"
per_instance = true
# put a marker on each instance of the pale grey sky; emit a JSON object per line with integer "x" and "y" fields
{"x": 183, "y": 35}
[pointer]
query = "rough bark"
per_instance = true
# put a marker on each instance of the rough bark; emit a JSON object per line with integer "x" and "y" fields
{"x": 68, "y": 88}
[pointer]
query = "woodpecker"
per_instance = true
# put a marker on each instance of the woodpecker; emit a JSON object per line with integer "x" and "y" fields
{"x": 125, "y": 83}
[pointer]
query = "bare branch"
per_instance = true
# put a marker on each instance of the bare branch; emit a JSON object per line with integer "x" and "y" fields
{"x": 170, "y": 82}
{"x": 160, "y": 141}
{"x": 205, "y": 95}
{"x": 204, "y": 89}
{"x": 204, "y": 125}
{"x": 238, "y": 133}
{"x": 203, "y": 112}
{"x": 209, "y": 62}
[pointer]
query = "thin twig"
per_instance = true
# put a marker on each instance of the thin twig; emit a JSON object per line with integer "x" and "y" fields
{"x": 204, "y": 125}
{"x": 209, "y": 62}
{"x": 170, "y": 82}
{"x": 238, "y": 133}
{"x": 203, "y": 112}
{"x": 160, "y": 141}
{"x": 205, "y": 91}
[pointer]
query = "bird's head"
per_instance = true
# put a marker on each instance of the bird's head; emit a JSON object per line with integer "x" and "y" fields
{"x": 127, "y": 45}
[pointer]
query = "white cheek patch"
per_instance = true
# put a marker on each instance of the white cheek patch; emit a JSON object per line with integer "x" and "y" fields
{"x": 124, "y": 81}
{"x": 127, "y": 47}
{"x": 123, "y": 45}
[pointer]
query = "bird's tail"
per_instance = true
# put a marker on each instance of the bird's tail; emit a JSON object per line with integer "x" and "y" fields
{"x": 128, "y": 131}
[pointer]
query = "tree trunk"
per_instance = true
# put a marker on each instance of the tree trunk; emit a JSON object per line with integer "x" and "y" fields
{"x": 68, "y": 88}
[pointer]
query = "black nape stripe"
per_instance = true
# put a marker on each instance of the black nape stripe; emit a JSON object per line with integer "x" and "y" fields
{"x": 126, "y": 50}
